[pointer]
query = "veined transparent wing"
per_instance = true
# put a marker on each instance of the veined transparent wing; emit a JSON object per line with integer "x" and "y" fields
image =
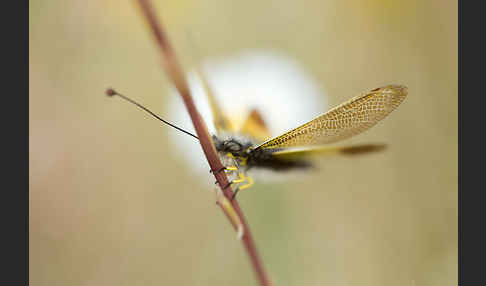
{"x": 314, "y": 151}
{"x": 348, "y": 119}
{"x": 221, "y": 122}
{"x": 255, "y": 127}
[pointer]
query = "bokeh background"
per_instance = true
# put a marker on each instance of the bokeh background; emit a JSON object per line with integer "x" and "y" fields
{"x": 111, "y": 203}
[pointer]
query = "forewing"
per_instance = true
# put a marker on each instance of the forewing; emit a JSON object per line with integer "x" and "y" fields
{"x": 346, "y": 120}
{"x": 255, "y": 127}
{"x": 311, "y": 152}
{"x": 221, "y": 122}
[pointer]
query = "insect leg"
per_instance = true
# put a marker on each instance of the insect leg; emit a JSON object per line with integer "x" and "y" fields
{"x": 231, "y": 169}
{"x": 234, "y": 194}
{"x": 217, "y": 171}
{"x": 249, "y": 183}
{"x": 228, "y": 170}
{"x": 241, "y": 179}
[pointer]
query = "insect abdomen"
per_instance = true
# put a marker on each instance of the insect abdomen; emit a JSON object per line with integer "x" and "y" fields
{"x": 263, "y": 159}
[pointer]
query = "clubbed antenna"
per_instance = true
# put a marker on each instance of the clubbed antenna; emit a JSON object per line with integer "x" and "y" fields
{"x": 112, "y": 92}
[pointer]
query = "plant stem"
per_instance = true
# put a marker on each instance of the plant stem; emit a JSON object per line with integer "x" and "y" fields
{"x": 176, "y": 74}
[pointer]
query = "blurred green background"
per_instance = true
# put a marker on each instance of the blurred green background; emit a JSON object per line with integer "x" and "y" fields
{"x": 110, "y": 204}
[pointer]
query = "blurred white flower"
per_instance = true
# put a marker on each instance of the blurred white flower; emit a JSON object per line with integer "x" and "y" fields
{"x": 277, "y": 86}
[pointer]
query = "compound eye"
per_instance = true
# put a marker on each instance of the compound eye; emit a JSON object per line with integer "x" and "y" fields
{"x": 233, "y": 146}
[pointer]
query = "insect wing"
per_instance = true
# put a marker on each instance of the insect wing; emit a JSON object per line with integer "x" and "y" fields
{"x": 255, "y": 127}
{"x": 309, "y": 152}
{"x": 346, "y": 120}
{"x": 221, "y": 122}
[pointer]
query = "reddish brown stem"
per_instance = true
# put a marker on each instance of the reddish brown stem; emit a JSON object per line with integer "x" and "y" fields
{"x": 175, "y": 72}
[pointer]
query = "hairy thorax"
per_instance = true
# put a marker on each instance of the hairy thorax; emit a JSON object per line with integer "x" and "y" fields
{"x": 240, "y": 152}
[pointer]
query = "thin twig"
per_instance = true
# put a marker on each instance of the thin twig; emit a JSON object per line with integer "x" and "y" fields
{"x": 176, "y": 74}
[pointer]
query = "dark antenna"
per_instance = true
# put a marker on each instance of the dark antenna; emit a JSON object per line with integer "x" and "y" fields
{"x": 112, "y": 92}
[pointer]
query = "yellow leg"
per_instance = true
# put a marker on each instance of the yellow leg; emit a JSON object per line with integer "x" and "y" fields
{"x": 241, "y": 179}
{"x": 231, "y": 169}
{"x": 242, "y": 160}
{"x": 249, "y": 184}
